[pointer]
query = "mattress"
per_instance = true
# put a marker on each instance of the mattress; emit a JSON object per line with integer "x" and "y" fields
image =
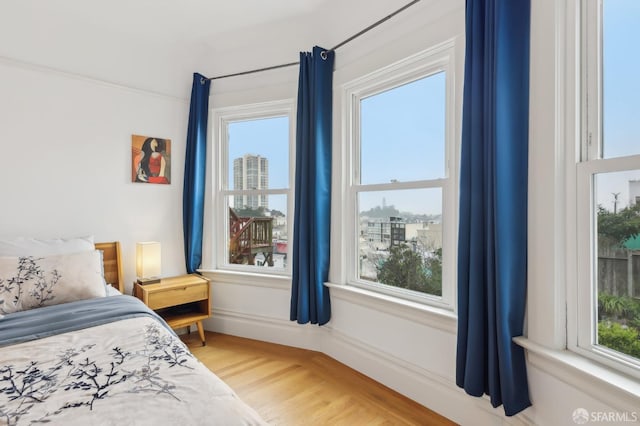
{"x": 107, "y": 361}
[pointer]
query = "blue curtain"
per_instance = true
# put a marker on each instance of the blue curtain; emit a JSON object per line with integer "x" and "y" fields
{"x": 311, "y": 231}
{"x": 195, "y": 172}
{"x": 492, "y": 247}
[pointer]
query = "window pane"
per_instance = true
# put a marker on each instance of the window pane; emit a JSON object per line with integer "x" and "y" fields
{"x": 258, "y": 154}
{"x": 400, "y": 238}
{"x": 621, "y": 85}
{"x": 403, "y": 132}
{"x": 618, "y": 263}
{"x": 258, "y": 235}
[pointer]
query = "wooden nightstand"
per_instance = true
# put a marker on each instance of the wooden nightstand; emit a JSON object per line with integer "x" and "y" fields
{"x": 181, "y": 300}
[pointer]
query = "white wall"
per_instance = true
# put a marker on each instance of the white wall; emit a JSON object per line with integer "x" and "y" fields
{"x": 65, "y": 162}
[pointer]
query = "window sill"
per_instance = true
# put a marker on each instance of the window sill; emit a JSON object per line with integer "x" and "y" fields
{"x": 431, "y": 316}
{"x": 279, "y": 282}
{"x": 600, "y": 382}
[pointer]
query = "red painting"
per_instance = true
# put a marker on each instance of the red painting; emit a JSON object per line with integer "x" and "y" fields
{"x": 150, "y": 159}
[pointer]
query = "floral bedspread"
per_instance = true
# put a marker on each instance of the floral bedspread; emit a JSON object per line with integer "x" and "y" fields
{"x": 129, "y": 372}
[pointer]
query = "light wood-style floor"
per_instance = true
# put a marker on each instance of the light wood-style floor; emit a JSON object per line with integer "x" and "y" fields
{"x": 291, "y": 386}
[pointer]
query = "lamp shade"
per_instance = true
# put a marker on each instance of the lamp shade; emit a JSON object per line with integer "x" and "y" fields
{"x": 148, "y": 260}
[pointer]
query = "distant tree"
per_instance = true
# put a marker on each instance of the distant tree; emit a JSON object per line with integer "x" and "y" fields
{"x": 381, "y": 212}
{"x": 433, "y": 266}
{"x": 405, "y": 268}
{"x": 247, "y": 211}
{"x": 616, "y": 228}
{"x": 277, "y": 213}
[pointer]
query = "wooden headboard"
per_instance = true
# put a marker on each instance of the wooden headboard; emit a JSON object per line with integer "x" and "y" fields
{"x": 112, "y": 264}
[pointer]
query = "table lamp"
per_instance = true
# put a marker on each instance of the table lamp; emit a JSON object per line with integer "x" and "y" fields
{"x": 148, "y": 262}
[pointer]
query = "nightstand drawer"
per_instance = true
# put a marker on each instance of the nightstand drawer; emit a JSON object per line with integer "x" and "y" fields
{"x": 178, "y": 295}
{"x": 182, "y": 301}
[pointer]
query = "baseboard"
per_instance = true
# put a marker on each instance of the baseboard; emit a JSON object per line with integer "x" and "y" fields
{"x": 430, "y": 389}
{"x": 264, "y": 328}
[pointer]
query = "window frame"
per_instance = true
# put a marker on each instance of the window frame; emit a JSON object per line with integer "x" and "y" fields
{"x": 589, "y": 163}
{"x": 439, "y": 58}
{"x": 222, "y": 117}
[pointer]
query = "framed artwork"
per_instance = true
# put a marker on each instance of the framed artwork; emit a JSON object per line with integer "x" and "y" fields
{"x": 150, "y": 159}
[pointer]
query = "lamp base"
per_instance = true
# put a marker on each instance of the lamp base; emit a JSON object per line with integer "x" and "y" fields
{"x": 145, "y": 281}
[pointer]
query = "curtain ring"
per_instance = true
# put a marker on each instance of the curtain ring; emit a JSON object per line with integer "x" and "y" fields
{"x": 323, "y": 55}
{"x": 202, "y": 80}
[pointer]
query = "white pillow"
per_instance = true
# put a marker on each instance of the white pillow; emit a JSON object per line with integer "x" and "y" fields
{"x": 112, "y": 291}
{"x": 28, "y": 282}
{"x": 22, "y": 246}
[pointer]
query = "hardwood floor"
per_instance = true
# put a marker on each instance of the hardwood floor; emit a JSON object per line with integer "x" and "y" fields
{"x": 291, "y": 386}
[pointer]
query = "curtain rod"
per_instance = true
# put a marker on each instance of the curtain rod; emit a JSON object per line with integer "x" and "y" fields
{"x": 290, "y": 64}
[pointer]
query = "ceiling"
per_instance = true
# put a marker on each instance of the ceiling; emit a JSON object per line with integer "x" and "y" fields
{"x": 157, "y": 44}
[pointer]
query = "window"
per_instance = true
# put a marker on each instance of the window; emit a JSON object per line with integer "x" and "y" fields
{"x": 608, "y": 180}
{"x": 402, "y": 197}
{"x": 254, "y": 187}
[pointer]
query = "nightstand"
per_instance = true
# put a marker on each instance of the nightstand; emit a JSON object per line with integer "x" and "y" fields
{"x": 182, "y": 301}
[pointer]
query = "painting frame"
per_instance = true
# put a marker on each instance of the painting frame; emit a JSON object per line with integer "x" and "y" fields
{"x": 150, "y": 160}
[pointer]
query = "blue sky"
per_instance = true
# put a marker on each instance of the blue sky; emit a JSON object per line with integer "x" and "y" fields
{"x": 621, "y": 84}
{"x": 403, "y": 132}
{"x": 403, "y": 139}
{"x": 621, "y": 95}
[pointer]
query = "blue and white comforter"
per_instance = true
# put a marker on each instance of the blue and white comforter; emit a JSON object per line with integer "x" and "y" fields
{"x": 127, "y": 368}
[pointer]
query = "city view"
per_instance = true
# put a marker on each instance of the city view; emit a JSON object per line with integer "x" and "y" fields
{"x": 400, "y": 185}
{"x": 400, "y": 229}
{"x": 401, "y": 249}
{"x": 258, "y": 179}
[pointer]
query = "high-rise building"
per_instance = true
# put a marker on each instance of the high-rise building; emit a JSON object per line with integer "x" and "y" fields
{"x": 251, "y": 172}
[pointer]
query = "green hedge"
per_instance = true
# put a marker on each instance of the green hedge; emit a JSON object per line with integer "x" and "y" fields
{"x": 622, "y": 339}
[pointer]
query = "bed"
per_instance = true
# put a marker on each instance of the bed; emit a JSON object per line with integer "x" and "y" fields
{"x": 81, "y": 357}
